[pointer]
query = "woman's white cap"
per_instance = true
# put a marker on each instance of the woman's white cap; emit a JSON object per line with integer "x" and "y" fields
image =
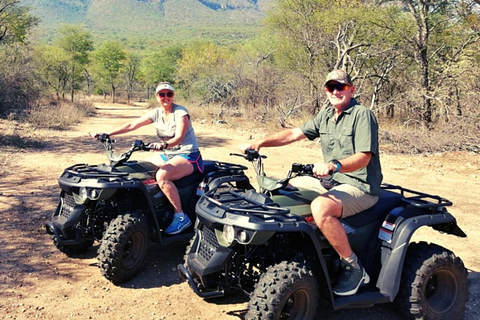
{"x": 164, "y": 86}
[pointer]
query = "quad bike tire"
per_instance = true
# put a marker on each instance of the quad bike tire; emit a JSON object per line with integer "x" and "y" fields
{"x": 124, "y": 247}
{"x": 287, "y": 290}
{"x": 75, "y": 249}
{"x": 434, "y": 284}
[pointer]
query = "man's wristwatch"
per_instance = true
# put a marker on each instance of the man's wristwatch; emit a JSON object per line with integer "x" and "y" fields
{"x": 338, "y": 164}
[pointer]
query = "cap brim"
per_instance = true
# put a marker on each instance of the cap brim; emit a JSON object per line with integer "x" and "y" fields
{"x": 339, "y": 81}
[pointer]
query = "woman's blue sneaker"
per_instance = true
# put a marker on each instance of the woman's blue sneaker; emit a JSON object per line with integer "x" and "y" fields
{"x": 178, "y": 224}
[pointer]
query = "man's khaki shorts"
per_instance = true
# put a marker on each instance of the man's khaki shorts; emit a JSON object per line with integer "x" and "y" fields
{"x": 353, "y": 200}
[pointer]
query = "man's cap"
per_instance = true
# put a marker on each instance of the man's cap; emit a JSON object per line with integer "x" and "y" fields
{"x": 339, "y": 75}
{"x": 164, "y": 86}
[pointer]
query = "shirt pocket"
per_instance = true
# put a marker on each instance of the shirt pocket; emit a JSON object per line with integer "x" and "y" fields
{"x": 346, "y": 142}
{"x": 326, "y": 140}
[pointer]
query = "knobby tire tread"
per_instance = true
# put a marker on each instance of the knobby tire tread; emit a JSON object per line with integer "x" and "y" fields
{"x": 110, "y": 253}
{"x": 274, "y": 287}
{"x": 422, "y": 261}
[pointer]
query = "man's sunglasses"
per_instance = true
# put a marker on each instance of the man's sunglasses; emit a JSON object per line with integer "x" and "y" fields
{"x": 168, "y": 94}
{"x": 336, "y": 86}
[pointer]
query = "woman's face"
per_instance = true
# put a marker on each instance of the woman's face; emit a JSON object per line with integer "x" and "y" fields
{"x": 165, "y": 97}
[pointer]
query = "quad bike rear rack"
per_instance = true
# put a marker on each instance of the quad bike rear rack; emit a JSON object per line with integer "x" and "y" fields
{"x": 419, "y": 199}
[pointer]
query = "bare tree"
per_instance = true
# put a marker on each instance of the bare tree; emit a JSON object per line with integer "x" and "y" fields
{"x": 434, "y": 18}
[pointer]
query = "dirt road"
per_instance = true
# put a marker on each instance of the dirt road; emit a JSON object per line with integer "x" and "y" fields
{"x": 39, "y": 282}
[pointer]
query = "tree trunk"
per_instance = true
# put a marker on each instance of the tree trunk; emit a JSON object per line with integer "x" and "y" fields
{"x": 72, "y": 88}
{"x": 113, "y": 94}
{"x": 391, "y": 111}
{"x": 426, "y": 115}
{"x": 457, "y": 98}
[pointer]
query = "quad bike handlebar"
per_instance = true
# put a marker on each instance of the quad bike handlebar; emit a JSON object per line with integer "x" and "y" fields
{"x": 115, "y": 158}
{"x": 300, "y": 169}
{"x": 103, "y": 137}
{"x": 269, "y": 184}
{"x": 250, "y": 155}
{"x": 303, "y": 169}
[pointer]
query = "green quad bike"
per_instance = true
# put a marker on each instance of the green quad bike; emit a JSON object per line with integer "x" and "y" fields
{"x": 266, "y": 245}
{"x": 121, "y": 206}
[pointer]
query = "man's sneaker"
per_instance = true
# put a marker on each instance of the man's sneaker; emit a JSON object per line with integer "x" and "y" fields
{"x": 178, "y": 224}
{"x": 350, "y": 280}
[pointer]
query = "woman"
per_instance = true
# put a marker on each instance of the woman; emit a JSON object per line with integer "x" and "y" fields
{"x": 181, "y": 156}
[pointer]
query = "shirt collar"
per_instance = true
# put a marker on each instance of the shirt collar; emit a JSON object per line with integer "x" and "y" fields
{"x": 348, "y": 109}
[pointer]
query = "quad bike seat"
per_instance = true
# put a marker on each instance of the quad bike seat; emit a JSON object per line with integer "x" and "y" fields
{"x": 387, "y": 201}
{"x": 196, "y": 177}
{"x": 298, "y": 202}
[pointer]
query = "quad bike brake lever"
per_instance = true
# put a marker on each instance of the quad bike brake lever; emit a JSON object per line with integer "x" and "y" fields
{"x": 302, "y": 168}
{"x": 140, "y": 145}
{"x": 250, "y": 155}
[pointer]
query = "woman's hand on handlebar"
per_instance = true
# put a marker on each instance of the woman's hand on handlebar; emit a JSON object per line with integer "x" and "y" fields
{"x": 158, "y": 146}
{"x": 100, "y": 136}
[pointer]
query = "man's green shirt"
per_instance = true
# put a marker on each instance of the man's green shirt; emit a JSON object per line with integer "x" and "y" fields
{"x": 356, "y": 130}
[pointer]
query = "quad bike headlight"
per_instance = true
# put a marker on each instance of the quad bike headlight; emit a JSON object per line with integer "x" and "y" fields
{"x": 229, "y": 233}
{"x": 93, "y": 194}
{"x": 242, "y": 236}
{"x": 84, "y": 194}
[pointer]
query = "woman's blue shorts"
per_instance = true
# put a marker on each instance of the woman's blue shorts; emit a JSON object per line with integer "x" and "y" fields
{"x": 195, "y": 158}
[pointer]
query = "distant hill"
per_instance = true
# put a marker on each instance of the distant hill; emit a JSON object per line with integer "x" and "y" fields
{"x": 224, "y": 20}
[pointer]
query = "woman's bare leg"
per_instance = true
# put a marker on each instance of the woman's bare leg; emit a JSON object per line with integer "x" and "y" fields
{"x": 174, "y": 169}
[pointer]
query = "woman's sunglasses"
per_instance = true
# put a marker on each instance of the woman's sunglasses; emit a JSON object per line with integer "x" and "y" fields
{"x": 336, "y": 86}
{"x": 168, "y": 94}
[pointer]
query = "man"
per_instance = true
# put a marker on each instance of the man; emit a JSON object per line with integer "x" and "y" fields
{"x": 348, "y": 135}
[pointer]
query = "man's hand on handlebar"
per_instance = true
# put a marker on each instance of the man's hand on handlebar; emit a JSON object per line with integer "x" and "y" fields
{"x": 323, "y": 169}
{"x": 249, "y": 155}
{"x": 246, "y": 146}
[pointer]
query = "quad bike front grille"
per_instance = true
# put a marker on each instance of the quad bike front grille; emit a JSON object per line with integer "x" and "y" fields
{"x": 208, "y": 244}
{"x": 67, "y": 205}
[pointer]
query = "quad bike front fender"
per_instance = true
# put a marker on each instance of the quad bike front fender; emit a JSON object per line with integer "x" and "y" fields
{"x": 393, "y": 252}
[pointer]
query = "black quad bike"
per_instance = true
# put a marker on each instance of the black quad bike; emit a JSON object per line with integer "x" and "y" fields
{"x": 121, "y": 205}
{"x": 267, "y": 245}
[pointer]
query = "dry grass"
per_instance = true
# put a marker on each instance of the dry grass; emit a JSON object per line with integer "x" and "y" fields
{"x": 242, "y": 118}
{"x": 459, "y": 134}
{"x": 59, "y": 115}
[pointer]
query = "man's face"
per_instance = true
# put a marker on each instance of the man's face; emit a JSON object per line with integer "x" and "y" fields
{"x": 339, "y": 94}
